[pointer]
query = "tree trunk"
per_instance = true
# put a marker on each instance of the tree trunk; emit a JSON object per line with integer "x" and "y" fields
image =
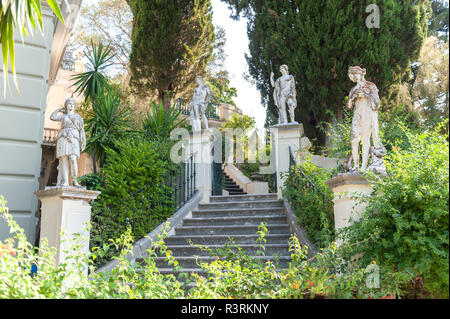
{"x": 165, "y": 98}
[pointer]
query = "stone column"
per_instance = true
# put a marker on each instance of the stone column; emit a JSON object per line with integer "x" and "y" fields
{"x": 201, "y": 146}
{"x": 284, "y": 136}
{"x": 347, "y": 209}
{"x": 65, "y": 209}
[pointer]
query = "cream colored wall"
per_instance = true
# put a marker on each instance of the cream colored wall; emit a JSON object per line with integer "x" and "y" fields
{"x": 21, "y": 127}
{"x": 226, "y": 111}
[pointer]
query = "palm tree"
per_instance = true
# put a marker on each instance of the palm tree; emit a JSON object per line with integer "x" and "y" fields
{"x": 16, "y": 14}
{"x": 160, "y": 122}
{"x": 94, "y": 81}
{"x": 106, "y": 123}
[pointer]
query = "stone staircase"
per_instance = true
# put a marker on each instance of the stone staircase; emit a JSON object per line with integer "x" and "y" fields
{"x": 231, "y": 187}
{"x": 235, "y": 217}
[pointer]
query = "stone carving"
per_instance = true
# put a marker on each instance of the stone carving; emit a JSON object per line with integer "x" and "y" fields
{"x": 376, "y": 161}
{"x": 284, "y": 94}
{"x": 198, "y": 104}
{"x": 70, "y": 141}
{"x": 363, "y": 98}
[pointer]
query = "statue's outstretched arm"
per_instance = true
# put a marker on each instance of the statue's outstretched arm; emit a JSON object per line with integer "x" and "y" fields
{"x": 54, "y": 116}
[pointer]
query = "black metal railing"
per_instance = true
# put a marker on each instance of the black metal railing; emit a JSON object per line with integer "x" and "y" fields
{"x": 211, "y": 111}
{"x": 293, "y": 166}
{"x": 147, "y": 207}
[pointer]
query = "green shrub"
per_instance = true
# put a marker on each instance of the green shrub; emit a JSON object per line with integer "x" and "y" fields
{"x": 91, "y": 181}
{"x": 232, "y": 274}
{"x": 405, "y": 226}
{"x": 68, "y": 280}
{"x": 313, "y": 208}
{"x": 134, "y": 191}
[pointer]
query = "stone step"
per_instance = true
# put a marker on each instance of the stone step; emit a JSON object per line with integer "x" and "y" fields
{"x": 222, "y": 239}
{"x": 243, "y": 204}
{"x": 246, "y": 197}
{"x": 187, "y": 262}
{"x": 262, "y": 211}
{"x": 230, "y": 230}
{"x": 233, "y": 188}
{"x": 176, "y": 273}
{"x": 231, "y": 220}
{"x": 250, "y": 249}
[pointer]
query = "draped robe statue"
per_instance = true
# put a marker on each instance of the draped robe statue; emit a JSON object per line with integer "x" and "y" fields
{"x": 363, "y": 98}
{"x": 70, "y": 141}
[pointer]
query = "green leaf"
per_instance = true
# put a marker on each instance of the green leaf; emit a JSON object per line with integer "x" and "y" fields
{"x": 55, "y": 7}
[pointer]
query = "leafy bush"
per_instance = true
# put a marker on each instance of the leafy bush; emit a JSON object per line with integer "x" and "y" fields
{"x": 313, "y": 207}
{"x": 91, "y": 181}
{"x": 405, "y": 227}
{"x": 28, "y": 272}
{"x": 134, "y": 190}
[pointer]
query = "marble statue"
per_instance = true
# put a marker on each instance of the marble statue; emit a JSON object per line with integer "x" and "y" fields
{"x": 364, "y": 100}
{"x": 198, "y": 104}
{"x": 284, "y": 94}
{"x": 70, "y": 141}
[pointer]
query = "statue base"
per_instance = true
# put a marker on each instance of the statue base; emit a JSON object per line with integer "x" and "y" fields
{"x": 348, "y": 208}
{"x": 282, "y": 137}
{"x": 65, "y": 210}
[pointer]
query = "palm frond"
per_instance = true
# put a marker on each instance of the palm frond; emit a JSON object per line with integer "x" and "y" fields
{"x": 93, "y": 82}
{"x": 160, "y": 122}
{"x": 25, "y": 15}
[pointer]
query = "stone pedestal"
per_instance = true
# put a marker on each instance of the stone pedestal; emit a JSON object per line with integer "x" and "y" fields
{"x": 347, "y": 209}
{"x": 284, "y": 136}
{"x": 201, "y": 147}
{"x": 65, "y": 210}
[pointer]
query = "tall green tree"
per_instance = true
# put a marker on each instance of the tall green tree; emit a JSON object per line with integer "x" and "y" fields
{"x": 172, "y": 42}
{"x": 438, "y": 23}
{"x": 319, "y": 40}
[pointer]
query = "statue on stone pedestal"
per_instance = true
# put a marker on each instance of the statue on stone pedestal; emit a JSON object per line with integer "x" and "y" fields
{"x": 198, "y": 104}
{"x": 284, "y": 94}
{"x": 363, "y": 98}
{"x": 68, "y": 142}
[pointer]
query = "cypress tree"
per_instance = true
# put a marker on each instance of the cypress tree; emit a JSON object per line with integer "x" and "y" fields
{"x": 319, "y": 40}
{"x": 172, "y": 42}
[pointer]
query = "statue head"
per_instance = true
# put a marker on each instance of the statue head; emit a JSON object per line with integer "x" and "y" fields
{"x": 69, "y": 105}
{"x": 284, "y": 69}
{"x": 356, "y": 73}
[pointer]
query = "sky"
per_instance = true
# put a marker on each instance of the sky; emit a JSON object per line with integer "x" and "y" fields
{"x": 248, "y": 97}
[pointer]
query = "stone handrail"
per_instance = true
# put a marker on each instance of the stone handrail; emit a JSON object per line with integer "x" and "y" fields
{"x": 247, "y": 185}
{"x": 141, "y": 246}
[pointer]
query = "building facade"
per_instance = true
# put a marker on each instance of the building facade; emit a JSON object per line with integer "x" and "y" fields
{"x": 22, "y": 116}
